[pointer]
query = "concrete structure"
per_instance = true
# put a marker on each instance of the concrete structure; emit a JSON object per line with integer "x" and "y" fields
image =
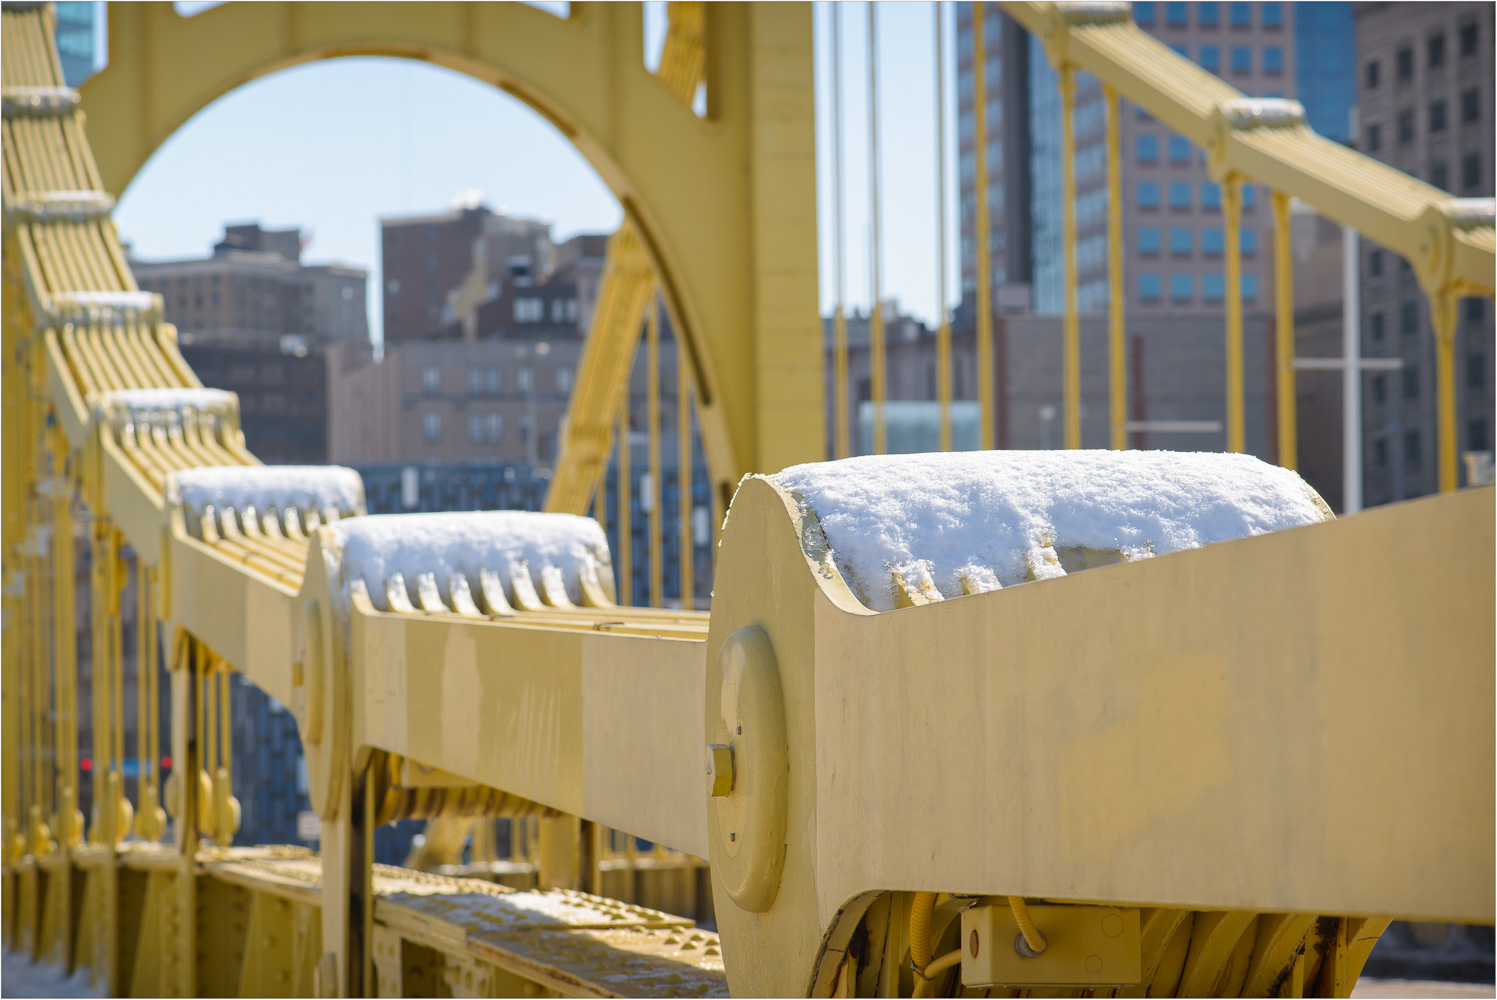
{"x": 1424, "y": 106}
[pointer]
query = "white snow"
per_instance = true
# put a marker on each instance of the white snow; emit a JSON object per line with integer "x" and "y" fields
{"x": 143, "y": 403}
{"x": 998, "y": 518}
{"x": 305, "y": 487}
{"x": 463, "y": 544}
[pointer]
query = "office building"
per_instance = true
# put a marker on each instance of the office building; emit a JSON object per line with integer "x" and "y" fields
{"x": 1424, "y": 103}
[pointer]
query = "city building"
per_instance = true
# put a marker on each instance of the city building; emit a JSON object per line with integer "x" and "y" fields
{"x": 253, "y": 319}
{"x": 1424, "y": 105}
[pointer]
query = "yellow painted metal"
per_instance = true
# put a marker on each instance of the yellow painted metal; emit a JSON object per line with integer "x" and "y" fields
{"x": 1071, "y": 334}
{"x": 1232, "y": 226}
{"x": 652, "y": 411}
{"x": 626, "y": 512}
{"x": 840, "y": 437}
{"x": 876, "y": 359}
{"x": 1442, "y": 316}
{"x": 943, "y": 328}
{"x": 685, "y": 541}
{"x": 986, "y": 388}
{"x": 1284, "y": 332}
{"x": 1117, "y": 363}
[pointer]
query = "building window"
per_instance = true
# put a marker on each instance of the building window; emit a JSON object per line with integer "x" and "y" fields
{"x": 1439, "y": 175}
{"x": 1148, "y": 240}
{"x": 493, "y": 427}
{"x": 1370, "y": 75}
{"x": 1208, "y": 15}
{"x": 1411, "y": 448}
{"x": 1476, "y": 370}
{"x": 431, "y": 262}
{"x": 393, "y": 286}
{"x": 431, "y": 427}
{"x": 475, "y": 381}
{"x": 1380, "y": 453}
{"x": 1211, "y": 57}
{"x": 1437, "y": 116}
{"x": 1148, "y": 194}
{"x": 1468, "y": 39}
{"x": 1148, "y": 287}
{"x": 1211, "y": 195}
{"x": 1242, "y": 15}
{"x": 1147, "y": 149}
{"x": 1406, "y": 127}
{"x": 1476, "y": 310}
{"x": 1213, "y": 287}
{"x": 1212, "y": 241}
{"x": 1182, "y": 287}
{"x": 475, "y": 428}
{"x": 1273, "y": 15}
{"x": 492, "y": 380}
{"x": 1179, "y": 194}
{"x": 530, "y": 310}
{"x": 1177, "y": 15}
{"x": 1476, "y": 435}
{"x": 1471, "y": 105}
{"x": 1408, "y": 318}
{"x": 1247, "y": 241}
{"x": 1436, "y": 48}
{"x": 1377, "y": 326}
{"x": 1183, "y": 51}
{"x": 1405, "y": 60}
{"x": 1249, "y": 288}
{"x": 1273, "y": 60}
{"x": 1179, "y": 148}
{"x": 1182, "y": 241}
{"x": 1471, "y": 171}
{"x": 1375, "y": 263}
{"x": 1143, "y": 12}
{"x": 431, "y": 379}
{"x": 525, "y": 379}
{"x": 1374, "y": 138}
{"x": 564, "y": 380}
{"x": 1410, "y": 381}
{"x": 1380, "y": 389}
{"x": 1242, "y": 59}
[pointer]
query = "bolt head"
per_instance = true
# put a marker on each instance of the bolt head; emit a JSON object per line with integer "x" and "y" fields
{"x": 719, "y": 769}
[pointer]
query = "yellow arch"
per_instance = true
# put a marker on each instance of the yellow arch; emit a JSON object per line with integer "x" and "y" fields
{"x": 726, "y": 206}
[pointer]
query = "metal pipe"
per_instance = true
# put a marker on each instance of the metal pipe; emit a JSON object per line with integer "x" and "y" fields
{"x": 1284, "y": 332}
{"x": 1442, "y": 315}
{"x": 839, "y": 244}
{"x": 1232, "y": 212}
{"x": 876, "y": 315}
{"x": 626, "y": 516}
{"x": 985, "y": 386}
{"x": 652, "y": 404}
{"x": 1351, "y": 375}
{"x": 1071, "y": 342}
{"x": 1117, "y": 296}
{"x": 683, "y": 475}
{"x": 943, "y": 329}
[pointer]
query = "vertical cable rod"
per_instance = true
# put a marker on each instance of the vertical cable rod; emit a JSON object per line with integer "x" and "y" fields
{"x": 1070, "y": 344}
{"x": 1442, "y": 315}
{"x": 983, "y": 236}
{"x": 652, "y": 402}
{"x": 943, "y": 329}
{"x": 626, "y": 516}
{"x": 1117, "y": 368}
{"x": 1232, "y": 213}
{"x": 876, "y": 314}
{"x": 683, "y": 475}
{"x": 839, "y": 246}
{"x": 1284, "y": 332}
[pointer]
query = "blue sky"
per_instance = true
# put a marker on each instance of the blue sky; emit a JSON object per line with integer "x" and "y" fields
{"x": 333, "y": 146}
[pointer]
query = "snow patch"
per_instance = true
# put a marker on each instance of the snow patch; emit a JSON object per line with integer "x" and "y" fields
{"x": 460, "y": 547}
{"x": 967, "y": 522}
{"x": 263, "y": 487}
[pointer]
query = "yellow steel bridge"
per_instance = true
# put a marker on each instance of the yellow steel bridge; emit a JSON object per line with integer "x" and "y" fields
{"x": 1220, "y": 773}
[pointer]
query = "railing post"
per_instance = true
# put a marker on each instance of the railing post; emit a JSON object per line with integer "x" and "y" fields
{"x": 1442, "y": 315}
{"x": 1071, "y": 343}
{"x": 1232, "y": 216}
{"x": 877, "y": 375}
{"x": 985, "y": 386}
{"x": 1117, "y": 293}
{"x": 1284, "y": 332}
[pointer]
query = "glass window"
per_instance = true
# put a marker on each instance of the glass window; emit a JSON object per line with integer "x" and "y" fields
{"x": 1476, "y": 370}
{"x": 1380, "y": 453}
{"x": 1273, "y": 15}
{"x": 525, "y": 378}
{"x": 1471, "y": 171}
{"x": 1476, "y": 434}
{"x": 1410, "y": 381}
{"x": 1148, "y": 239}
{"x": 1249, "y": 288}
{"x": 1212, "y": 242}
{"x": 492, "y": 380}
{"x": 431, "y": 427}
{"x": 493, "y": 427}
{"x": 475, "y": 428}
{"x": 1436, "y": 48}
{"x": 1147, "y": 149}
{"x": 1248, "y": 240}
{"x": 1471, "y": 105}
{"x": 1468, "y": 39}
{"x": 1378, "y": 324}
{"x": 1375, "y": 263}
{"x": 1208, "y": 15}
{"x": 1411, "y": 449}
{"x": 1149, "y": 287}
{"x": 1213, "y": 287}
{"x": 1179, "y": 149}
{"x": 1379, "y": 389}
{"x": 1182, "y": 241}
{"x": 1242, "y": 15}
{"x": 1371, "y": 75}
{"x": 1148, "y": 194}
{"x": 1183, "y": 51}
{"x": 1177, "y": 15}
{"x": 1179, "y": 194}
{"x": 1439, "y": 175}
{"x": 1242, "y": 59}
{"x": 1211, "y": 57}
{"x": 475, "y": 381}
{"x": 1476, "y": 310}
{"x": 1211, "y": 195}
{"x": 564, "y": 379}
{"x": 431, "y": 380}
{"x": 1182, "y": 287}
{"x": 1249, "y": 195}
{"x": 1374, "y": 138}
{"x": 1437, "y": 116}
{"x": 1143, "y": 12}
{"x": 1408, "y": 318}
{"x": 1273, "y": 60}
{"x": 1405, "y": 60}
